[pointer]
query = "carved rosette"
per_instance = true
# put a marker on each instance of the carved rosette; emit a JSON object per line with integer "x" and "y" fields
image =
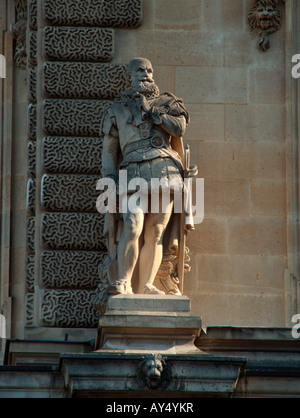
{"x": 264, "y": 18}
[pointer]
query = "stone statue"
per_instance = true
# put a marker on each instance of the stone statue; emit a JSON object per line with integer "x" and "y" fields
{"x": 142, "y": 133}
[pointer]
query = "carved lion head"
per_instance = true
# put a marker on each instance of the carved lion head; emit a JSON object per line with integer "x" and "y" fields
{"x": 264, "y": 17}
{"x": 154, "y": 371}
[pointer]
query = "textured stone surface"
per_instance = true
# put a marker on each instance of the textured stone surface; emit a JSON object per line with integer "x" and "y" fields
{"x": 83, "y": 80}
{"x": 30, "y": 236}
{"x": 69, "y": 193}
{"x": 71, "y": 269}
{"x": 30, "y": 273}
{"x": 32, "y": 48}
{"x": 73, "y": 117}
{"x": 78, "y": 44}
{"x": 31, "y": 121}
{"x": 31, "y": 158}
{"x": 32, "y": 80}
{"x": 73, "y": 231}
{"x": 31, "y": 195}
{"x": 72, "y": 155}
{"x": 114, "y": 13}
{"x": 67, "y": 308}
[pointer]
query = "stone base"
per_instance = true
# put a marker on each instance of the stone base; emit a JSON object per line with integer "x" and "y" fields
{"x": 148, "y": 323}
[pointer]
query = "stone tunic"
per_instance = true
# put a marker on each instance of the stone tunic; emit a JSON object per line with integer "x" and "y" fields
{"x": 128, "y": 133}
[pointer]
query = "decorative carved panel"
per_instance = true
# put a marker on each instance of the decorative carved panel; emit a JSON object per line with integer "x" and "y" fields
{"x": 71, "y": 269}
{"x": 114, "y": 13}
{"x": 73, "y": 231}
{"x": 72, "y": 155}
{"x": 69, "y": 192}
{"x": 68, "y": 308}
{"x": 73, "y": 117}
{"x": 83, "y": 80}
{"x": 78, "y": 44}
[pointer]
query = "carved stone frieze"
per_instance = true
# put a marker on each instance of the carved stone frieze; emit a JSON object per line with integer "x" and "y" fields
{"x": 69, "y": 192}
{"x": 78, "y": 44}
{"x": 73, "y": 117}
{"x": 83, "y": 80}
{"x": 113, "y": 13}
{"x": 72, "y": 155}
{"x": 67, "y": 308}
{"x": 73, "y": 231}
{"x": 71, "y": 269}
{"x": 264, "y": 18}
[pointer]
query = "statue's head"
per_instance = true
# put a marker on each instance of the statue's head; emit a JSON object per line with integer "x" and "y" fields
{"x": 139, "y": 74}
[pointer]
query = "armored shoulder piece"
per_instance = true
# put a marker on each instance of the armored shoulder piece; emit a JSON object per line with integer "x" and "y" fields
{"x": 175, "y": 105}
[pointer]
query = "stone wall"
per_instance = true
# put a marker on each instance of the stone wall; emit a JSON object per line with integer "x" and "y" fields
{"x": 242, "y": 136}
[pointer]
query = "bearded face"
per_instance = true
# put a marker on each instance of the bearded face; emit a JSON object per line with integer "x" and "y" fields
{"x": 140, "y": 75}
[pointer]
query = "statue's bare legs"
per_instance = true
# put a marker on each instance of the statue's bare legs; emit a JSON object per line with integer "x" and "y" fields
{"x": 149, "y": 256}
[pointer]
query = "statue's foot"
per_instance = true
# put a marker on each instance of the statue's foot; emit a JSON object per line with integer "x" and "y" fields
{"x": 149, "y": 289}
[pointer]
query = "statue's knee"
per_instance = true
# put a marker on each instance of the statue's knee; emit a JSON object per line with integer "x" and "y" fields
{"x": 132, "y": 227}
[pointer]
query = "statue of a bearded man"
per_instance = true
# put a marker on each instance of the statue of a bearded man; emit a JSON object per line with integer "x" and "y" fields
{"x": 142, "y": 133}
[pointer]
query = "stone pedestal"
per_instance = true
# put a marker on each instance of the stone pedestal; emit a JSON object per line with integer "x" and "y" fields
{"x": 148, "y": 323}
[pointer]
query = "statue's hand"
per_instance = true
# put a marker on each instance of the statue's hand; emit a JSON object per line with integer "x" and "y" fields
{"x": 192, "y": 171}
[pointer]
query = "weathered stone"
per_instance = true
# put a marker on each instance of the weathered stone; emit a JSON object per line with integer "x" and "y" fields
{"x": 73, "y": 231}
{"x": 69, "y": 193}
{"x": 67, "y": 308}
{"x": 113, "y": 13}
{"x": 70, "y": 269}
{"x": 73, "y": 117}
{"x": 78, "y": 44}
{"x": 83, "y": 80}
{"x": 72, "y": 155}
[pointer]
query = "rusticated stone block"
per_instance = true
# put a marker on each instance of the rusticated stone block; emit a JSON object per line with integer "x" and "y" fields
{"x": 73, "y": 117}
{"x": 78, "y": 44}
{"x": 30, "y": 273}
{"x": 69, "y": 193}
{"x": 32, "y": 48}
{"x": 32, "y": 14}
{"x": 30, "y": 234}
{"x": 31, "y": 158}
{"x": 76, "y": 80}
{"x": 73, "y": 231}
{"x": 31, "y": 121}
{"x": 68, "y": 308}
{"x": 114, "y": 13}
{"x": 71, "y": 269}
{"x": 31, "y": 195}
{"x": 32, "y": 80}
{"x": 72, "y": 155}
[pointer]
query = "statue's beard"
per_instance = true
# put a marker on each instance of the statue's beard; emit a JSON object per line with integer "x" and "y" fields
{"x": 144, "y": 87}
